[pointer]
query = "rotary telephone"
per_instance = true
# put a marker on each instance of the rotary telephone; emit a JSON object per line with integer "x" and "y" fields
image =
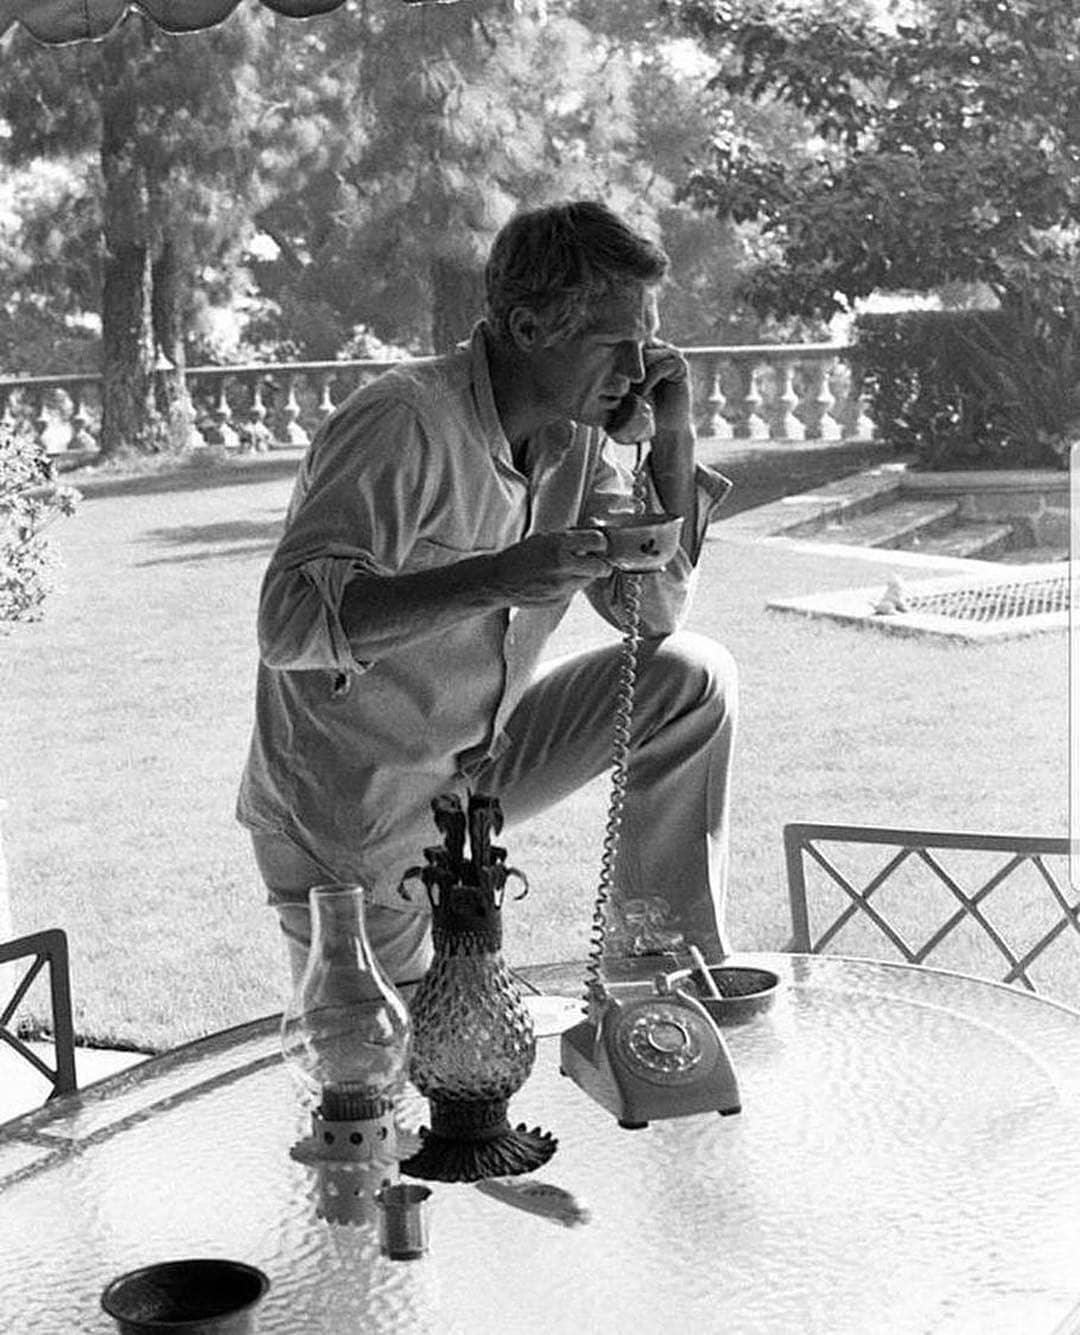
{"x": 658, "y": 1055}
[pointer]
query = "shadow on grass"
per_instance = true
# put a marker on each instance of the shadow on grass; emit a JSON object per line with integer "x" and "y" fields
{"x": 762, "y": 472}
{"x": 233, "y": 538}
{"x": 197, "y": 475}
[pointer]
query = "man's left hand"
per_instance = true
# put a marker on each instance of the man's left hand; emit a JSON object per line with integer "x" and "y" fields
{"x": 667, "y": 385}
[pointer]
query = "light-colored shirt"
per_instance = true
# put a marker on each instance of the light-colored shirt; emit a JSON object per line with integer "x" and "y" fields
{"x": 410, "y": 472}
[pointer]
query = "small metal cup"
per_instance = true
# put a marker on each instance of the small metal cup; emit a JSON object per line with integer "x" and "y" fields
{"x": 403, "y": 1225}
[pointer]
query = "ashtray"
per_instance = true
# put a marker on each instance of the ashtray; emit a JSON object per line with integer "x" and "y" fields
{"x": 199, "y": 1296}
{"x": 745, "y": 991}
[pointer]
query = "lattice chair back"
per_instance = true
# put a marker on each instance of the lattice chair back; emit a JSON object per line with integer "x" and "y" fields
{"x": 36, "y": 952}
{"x": 997, "y": 906}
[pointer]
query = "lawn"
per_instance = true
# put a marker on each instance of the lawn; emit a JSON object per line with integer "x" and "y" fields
{"x": 126, "y": 712}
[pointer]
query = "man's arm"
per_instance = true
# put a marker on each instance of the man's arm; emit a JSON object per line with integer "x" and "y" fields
{"x": 383, "y": 614}
{"x": 671, "y": 461}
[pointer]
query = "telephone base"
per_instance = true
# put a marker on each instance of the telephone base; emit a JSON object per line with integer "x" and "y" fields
{"x": 610, "y": 1071}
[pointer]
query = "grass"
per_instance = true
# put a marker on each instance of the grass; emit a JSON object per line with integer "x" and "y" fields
{"x": 125, "y": 717}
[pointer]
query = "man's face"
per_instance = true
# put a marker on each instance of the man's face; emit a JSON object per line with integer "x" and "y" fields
{"x": 585, "y": 376}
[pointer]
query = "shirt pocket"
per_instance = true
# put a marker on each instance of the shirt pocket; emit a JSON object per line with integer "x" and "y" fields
{"x": 428, "y": 554}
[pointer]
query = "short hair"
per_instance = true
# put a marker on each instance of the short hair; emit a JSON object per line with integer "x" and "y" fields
{"x": 559, "y": 260}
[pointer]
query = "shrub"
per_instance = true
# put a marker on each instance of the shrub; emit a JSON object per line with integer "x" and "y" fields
{"x": 30, "y": 500}
{"x": 971, "y": 389}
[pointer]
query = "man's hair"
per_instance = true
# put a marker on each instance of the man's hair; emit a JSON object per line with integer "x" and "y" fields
{"x": 559, "y": 260}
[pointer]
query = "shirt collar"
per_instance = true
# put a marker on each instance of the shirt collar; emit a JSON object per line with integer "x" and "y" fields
{"x": 484, "y": 395}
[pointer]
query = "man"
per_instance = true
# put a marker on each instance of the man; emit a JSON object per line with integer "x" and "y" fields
{"x": 437, "y": 532}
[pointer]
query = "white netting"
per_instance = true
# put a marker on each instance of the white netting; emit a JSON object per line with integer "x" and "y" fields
{"x": 1002, "y": 601}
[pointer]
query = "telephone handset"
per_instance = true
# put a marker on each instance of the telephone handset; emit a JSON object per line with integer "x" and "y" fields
{"x": 633, "y": 421}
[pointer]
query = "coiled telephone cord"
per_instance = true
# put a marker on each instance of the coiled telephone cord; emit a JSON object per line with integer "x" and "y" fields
{"x": 620, "y": 751}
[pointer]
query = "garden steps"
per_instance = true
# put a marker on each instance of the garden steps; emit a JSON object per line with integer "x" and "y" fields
{"x": 974, "y": 540}
{"x": 888, "y": 508}
{"x": 931, "y": 527}
{"x": 898, "y": 523}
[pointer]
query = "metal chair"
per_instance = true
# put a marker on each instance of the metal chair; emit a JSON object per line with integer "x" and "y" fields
{"x": 965, "y": 898}
{"x": 50, "y": 948}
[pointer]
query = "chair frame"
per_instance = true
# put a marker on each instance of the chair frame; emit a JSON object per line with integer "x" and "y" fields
{"x": 49, "y": 947}
{"x": 801, "y": 840}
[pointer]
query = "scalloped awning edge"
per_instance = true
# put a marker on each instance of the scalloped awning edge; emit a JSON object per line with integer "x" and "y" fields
{"x": 60, "y": 22}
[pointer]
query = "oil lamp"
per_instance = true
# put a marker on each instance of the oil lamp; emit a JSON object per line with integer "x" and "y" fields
{"x": 346, "y": 1035}
{"x": 473, "y": 1040}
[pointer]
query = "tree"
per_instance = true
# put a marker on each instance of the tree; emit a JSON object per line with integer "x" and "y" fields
{"x": 466, "y": 112}
{"x": 949, "y": 145}
{"x": 174, "y": 124}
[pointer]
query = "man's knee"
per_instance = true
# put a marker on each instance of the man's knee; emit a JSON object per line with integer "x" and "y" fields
{"x": 698, "y": 671}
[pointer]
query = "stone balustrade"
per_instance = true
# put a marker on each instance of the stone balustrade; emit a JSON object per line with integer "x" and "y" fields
{"x": 763, "y": 392}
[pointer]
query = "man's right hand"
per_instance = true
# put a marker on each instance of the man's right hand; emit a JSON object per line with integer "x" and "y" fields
{"x": 547, "y": 567}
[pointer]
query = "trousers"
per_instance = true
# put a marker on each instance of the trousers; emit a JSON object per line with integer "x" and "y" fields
{"x": 670, "y": 873}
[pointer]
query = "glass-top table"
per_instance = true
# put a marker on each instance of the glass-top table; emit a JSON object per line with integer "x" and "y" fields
{"x": 907, "y": 1160}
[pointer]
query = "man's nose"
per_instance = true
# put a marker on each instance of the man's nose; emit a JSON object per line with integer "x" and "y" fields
{"x": 634, "y": 362}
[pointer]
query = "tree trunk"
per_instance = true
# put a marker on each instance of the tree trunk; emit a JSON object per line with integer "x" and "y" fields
{"x": 169, "y": 310}
{"x": 457, "y": 301}
{"x": 129, "y": 419}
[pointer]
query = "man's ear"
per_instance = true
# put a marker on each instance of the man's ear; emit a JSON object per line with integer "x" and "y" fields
{"x": 524, "y": 328}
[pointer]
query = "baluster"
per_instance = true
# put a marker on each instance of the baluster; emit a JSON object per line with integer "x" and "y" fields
{"x": 326, "y": 403}
{"x": 790, "y": 426}
{"x": 828, "y": 427}
{"x": 756, "y": 426}
{"x": 290, "y": 432}
{"x": 41, "y": 422}
{"x": 81, "y": 438}
{"x": 221, "y": 413}
{"x": 864, "y": 428}
{"x": 862, "y": 424}
{"x": 7, "y": 416}
{"x": 719, "y": 426}
{"x": 256, "y": 434}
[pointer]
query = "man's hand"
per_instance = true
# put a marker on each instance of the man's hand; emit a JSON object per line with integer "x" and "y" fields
{"x": 386, "y": 613}
{"x": 671, "y": 454}
{"x": 547, "y": 567}
{"x": 667, "y": 384}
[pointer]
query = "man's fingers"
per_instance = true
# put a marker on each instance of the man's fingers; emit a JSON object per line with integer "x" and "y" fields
{"x": 579, "y": 542}
{"x": 663, "y": 362}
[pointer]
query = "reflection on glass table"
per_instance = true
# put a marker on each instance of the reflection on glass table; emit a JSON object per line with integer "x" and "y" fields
{"x": 907, "y": 1159}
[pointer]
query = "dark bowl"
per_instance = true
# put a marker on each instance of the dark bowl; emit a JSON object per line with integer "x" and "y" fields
{"x": 745, "y": 991}
{"x": 200, "y": 1296}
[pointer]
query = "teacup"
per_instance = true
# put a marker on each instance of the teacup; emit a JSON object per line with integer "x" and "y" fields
{"x": 640, "y": 542}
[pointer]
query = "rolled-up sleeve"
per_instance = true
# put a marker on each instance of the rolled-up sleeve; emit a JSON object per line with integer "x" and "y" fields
{"x": 343, "y": 521}
{"x": 665, "y": 595}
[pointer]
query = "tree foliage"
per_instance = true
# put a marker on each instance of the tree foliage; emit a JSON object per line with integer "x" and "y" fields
{"x": 274, "y": 188}
{"x": 949, "y": 153}
{"x": 462, "y": 115}
{"x": 163, "y": 131}
{"x": 949, "y": 145}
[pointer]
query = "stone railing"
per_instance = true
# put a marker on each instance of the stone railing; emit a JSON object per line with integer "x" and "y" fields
{"x": 765, "y": 392}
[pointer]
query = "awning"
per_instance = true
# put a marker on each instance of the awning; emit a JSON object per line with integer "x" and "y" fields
{"x": 59, "y": 21}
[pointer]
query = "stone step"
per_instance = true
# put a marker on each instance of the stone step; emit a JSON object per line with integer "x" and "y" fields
{"x": 1037, "y": 555}
{"x": 807, "y": 513}
{"x": 892, "y": 525}
{"x": 984, "y": 541}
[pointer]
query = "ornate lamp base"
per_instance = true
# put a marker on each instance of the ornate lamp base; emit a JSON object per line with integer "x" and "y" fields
{"x": 472, "y": 1139}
